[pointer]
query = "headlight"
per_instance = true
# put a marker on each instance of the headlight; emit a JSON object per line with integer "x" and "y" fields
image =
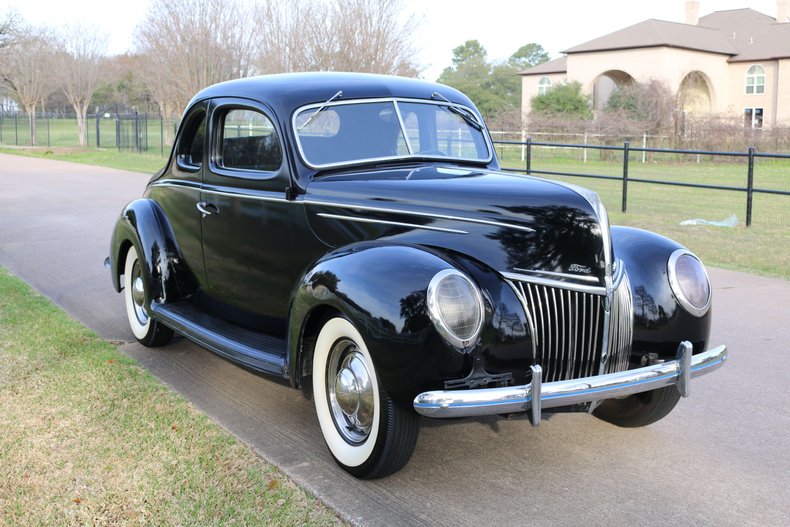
{"x": 689, "y": 282}
{"x": 455, "y": 307}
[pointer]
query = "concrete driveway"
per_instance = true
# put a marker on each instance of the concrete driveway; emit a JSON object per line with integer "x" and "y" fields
{"x": 721, "y": 458}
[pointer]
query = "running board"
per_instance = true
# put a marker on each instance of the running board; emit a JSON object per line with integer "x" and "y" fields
{"x": 254, "y": 350}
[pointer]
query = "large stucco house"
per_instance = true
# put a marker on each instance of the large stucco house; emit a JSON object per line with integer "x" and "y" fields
{"x": 732, "y": 63}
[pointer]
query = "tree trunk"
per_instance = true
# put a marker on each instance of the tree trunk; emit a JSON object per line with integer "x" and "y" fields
{"x": 82, "y": 129}
{"x": 30, "y": 110}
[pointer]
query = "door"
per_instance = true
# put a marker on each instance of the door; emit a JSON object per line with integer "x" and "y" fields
{"x": 246, "y": 217}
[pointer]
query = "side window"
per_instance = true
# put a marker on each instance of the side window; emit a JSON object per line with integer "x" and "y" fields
{"x": 249, "y": 142}
{"x": 544, "y": 85}
{"x": 755, "y": 80}
{"x": 190, "y": 146}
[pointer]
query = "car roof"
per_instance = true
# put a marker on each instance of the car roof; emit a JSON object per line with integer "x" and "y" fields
{"x": 288, "y": 91}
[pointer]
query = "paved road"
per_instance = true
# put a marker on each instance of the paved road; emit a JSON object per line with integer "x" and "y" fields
{"x": 722, "y": 457}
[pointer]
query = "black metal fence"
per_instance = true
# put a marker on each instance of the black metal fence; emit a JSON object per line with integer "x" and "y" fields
{"x": 754, "y": 175}
{"x": 136, "y": 132}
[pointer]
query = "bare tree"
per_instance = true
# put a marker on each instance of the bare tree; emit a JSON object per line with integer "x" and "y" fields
{"x": 26, "y": 65}
{"x": 81, "y": 58}
{"x": 187, "y": 45}
{"x": 336, "y": 35}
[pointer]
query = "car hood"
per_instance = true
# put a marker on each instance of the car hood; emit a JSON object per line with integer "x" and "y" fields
{"x": 512, "y": 223}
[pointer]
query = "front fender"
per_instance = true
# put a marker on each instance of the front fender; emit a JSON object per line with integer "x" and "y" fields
{"x": 381, "y": 290}
{"x": 660, "y": 322}
{"x": 142, "y": 223}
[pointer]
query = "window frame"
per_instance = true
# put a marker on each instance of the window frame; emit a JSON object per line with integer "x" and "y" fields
{"x": 754, "y": 73}
{"x": 544, "y": 87}
{"x": 751, "y": 112}
{"x": 191, "y": 124}
{"x": 394, "y": 100}
{"x": 220, "y": 108}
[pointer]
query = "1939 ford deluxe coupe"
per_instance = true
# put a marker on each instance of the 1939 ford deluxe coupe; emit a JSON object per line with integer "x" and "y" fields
{"x": 354, "y": 235}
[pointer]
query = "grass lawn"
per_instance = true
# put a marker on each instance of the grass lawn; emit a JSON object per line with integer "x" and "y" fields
{"x": 109, "y": 157}
{"x": 90, "y": 438}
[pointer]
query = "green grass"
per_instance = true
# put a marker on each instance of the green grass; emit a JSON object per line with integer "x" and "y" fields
{"x": 90, "y": 438}
{"x": 146, "y": 162}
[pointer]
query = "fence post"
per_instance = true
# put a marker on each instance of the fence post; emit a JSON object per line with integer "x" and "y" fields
{"x": 625, "y": 175}
{"x": 117, "y": 130}
{"x": 98, "y": 137}
{"x": 49, "y": 142}
{"x": 16, "y": 128}
{"x": 529, "y": 155}
{"x": 644, "y": 146}
{"x": 584, "y": 150}
{"x": 162, "y": 135}
{"x": 750, "y": 187}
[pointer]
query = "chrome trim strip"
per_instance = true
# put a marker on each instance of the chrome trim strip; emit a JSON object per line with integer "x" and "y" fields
{"x": 245, "y": 195}
{"x": 571, "y": 276}
{"x": 176, "y": 183}
{"x": 595, "y": 290}
{"x": 514, "y": 399}
{"x": 386, "y": 222}
{"x": 417, "y": 213}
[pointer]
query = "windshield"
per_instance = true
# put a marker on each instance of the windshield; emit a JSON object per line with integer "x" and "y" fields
{"x": 338, "y": 133}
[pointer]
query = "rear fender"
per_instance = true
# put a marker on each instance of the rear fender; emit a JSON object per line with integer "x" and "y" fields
{"x": 143, "y": 224}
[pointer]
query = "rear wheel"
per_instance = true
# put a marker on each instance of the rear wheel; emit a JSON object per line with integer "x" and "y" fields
{"x": 640, "y": 409}
{"x": 368, "y": 435}
{"x": 147, "y": 331}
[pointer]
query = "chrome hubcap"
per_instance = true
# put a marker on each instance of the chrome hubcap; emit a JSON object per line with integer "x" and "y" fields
{"x": 138, "y": 294}
{"x": 350, "y": 391}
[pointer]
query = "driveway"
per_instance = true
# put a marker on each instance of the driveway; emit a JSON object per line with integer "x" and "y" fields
{"x": 721, "y": 458}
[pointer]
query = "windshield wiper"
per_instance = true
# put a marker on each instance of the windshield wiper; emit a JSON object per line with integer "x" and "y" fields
{"x": 320, "y": 109}
{"x": 463, "y": 113}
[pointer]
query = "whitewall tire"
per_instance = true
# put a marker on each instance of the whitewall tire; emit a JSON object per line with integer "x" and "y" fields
{"x": 147, "y": 331}
{"x": 367, "y": 433}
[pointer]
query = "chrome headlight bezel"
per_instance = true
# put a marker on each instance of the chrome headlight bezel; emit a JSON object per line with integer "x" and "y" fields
{"x": 676, "y": 282}
{"x": 435, "y": 313}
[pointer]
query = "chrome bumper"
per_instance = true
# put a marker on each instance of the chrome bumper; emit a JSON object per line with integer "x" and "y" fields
{"x": 535, "y": 396}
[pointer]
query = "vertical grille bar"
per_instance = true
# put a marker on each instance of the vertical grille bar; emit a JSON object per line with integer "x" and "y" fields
{"x": 570, "y": 333}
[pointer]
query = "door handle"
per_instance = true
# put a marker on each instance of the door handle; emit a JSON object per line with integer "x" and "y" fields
{"x": 206, "y": 208}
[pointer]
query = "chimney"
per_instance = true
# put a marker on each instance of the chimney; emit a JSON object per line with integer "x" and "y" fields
{"x": 781, "y": 11}
{"x": 692, "y": 12}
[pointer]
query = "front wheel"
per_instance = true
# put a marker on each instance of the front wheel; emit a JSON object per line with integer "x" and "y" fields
{"x": 147, "y": 331}
{"x": 368, "y": 434}
{"x": 640, "y": 409}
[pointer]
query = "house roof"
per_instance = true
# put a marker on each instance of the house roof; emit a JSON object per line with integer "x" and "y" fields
{"x": 559, "y": 65}
{"x": 743, "y": 34}
{"x": 754, "y": 35}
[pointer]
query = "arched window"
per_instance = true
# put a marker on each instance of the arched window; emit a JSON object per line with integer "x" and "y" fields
{"x": 544, "y": 85}
{"x": 755, "y": 80}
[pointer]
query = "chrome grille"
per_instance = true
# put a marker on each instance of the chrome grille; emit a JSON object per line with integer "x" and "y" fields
{"x": 569, "y": 328}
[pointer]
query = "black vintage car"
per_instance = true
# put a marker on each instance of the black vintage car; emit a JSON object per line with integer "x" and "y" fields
{"x": 354, "y": 235}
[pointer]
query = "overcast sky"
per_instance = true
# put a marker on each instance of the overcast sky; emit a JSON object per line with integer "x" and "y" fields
{"x": 502, "y": 26}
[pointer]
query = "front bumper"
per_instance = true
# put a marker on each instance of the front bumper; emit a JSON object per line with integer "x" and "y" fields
{"x": 535, "y": 396}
